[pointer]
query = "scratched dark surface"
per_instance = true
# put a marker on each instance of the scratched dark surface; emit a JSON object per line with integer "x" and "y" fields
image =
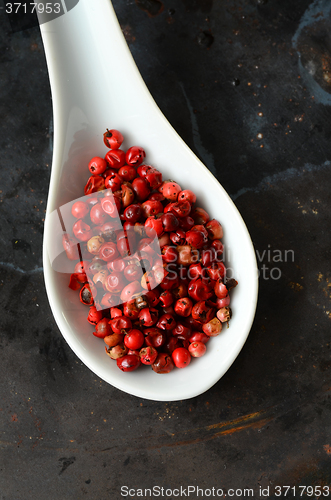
{"x": 228, "y": 76}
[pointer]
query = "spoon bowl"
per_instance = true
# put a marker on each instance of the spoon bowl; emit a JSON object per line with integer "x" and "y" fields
{"x": 96, "y": 85}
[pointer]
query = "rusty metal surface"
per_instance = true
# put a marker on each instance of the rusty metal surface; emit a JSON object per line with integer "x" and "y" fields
{"x": 247, "y": 86}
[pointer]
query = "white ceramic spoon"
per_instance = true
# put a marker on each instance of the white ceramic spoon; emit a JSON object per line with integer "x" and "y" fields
{"x": 95, "y": 85}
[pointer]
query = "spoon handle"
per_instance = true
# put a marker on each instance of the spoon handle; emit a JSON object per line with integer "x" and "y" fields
{"x": 87, "y": 55}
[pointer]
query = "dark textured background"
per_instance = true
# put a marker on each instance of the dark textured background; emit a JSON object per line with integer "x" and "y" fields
{"x": 222, "y": 72}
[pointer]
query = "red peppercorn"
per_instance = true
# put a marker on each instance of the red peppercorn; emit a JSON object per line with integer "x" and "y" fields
{"x": 108, "y": 172}
{"x": 115, "y": 283}
{"x": 169, "y": 253}
{"x": 153, "y": 297}
{"x": 82, "y": 231}
{"x": 102, "y": 329}
{"x": 108, "y": 251}
{"x": 74, "y": 283}
{"x": 135, "y": 156}
{"x": 187, "y": 255}
{"x": 208, "y": 256}
{"x": 220, "y": 303}
{"x": 170, "y": 190}
{"x": 216, "y": 271}
{"x": 196, "y": 238}
{"x": 195, "y": 271}
{"x": 130, "y": 309}
{"x": 200, "y": 215}
{"x": 180, "y": 291}
{"x": 130, "y": 290}
{"x": 133, "y": 272}
{"x": 199, "y": 289}
{"x": 178, "y": 237}
{"x": 139, "y": 229}
{"x": 127, "y": 195}
{"x": 95, "y": 266}
{"x": 133, "y": 212}
{"x": 94, "y": 184}
{"x": 80, "y": 209}
{"x": 115, "y": 312}
{"x": 218, "y": 246}
{"x": 181, "y": 357}
{"x": 116, "y": 352}
{"x": 159, "y": 273}
{"x": 113, "y": 138}
{"x": 99, "y": 279}
{"x": 197, "y": 349}
{"x": 80, "y": 270}
{"x": 181, "y": 331}
{"x": 187, "y": 195}
{"x": 94, "y": 316}
{"x": 202, "y": 313}
{"x": 155, "y": 337}
{"x": 128, "y": 226}
{"x": 148, "y": 316}
{"x": 164, "y": 239}
{"x": 186, "y": 223}
{"x": 150, "y": 208}
{"x": 125, "y": 246}
{"x": 98, "y": 215}
{"x": 155, "y": 224}
{"x": 148, "y": 247}
{"x": 180, "y": 209}
{"x": 87, "y": 293}
{"x": 154, "y": 178}
{"x": 94, "y": 244}
{"x": 115, "y": 158}
{"x": 114, "y": 339}
{"x": 113, "y": 182}
{"x": 166, "y": 322}
{"x": 201, "y": 227}
{"x": 97, "y": 165}
{"x": 128, "y": 363}
{"x": 121, "y": 324}
{"x": 170, "y": 222}
{"x": 215, "y": 230}
{"x": 117, "y": 265}
{"x": 141, "y": 188}
{"x": 148, "y": 355}
{"x": 134, "y": 339}
{"x": 166, "y": 298}
{"x": 224, "y": 314}
{"x": 220, "y": 289}
{"x": 127, "y": 173}
{"x": 212, "y": 327}
{"x": 111, "y": 205}
{"x": 143, "y": 169}
{"x": 163, "y": 363}
{"x": 183, "y": 307}
{"x": 109, "y": 300}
